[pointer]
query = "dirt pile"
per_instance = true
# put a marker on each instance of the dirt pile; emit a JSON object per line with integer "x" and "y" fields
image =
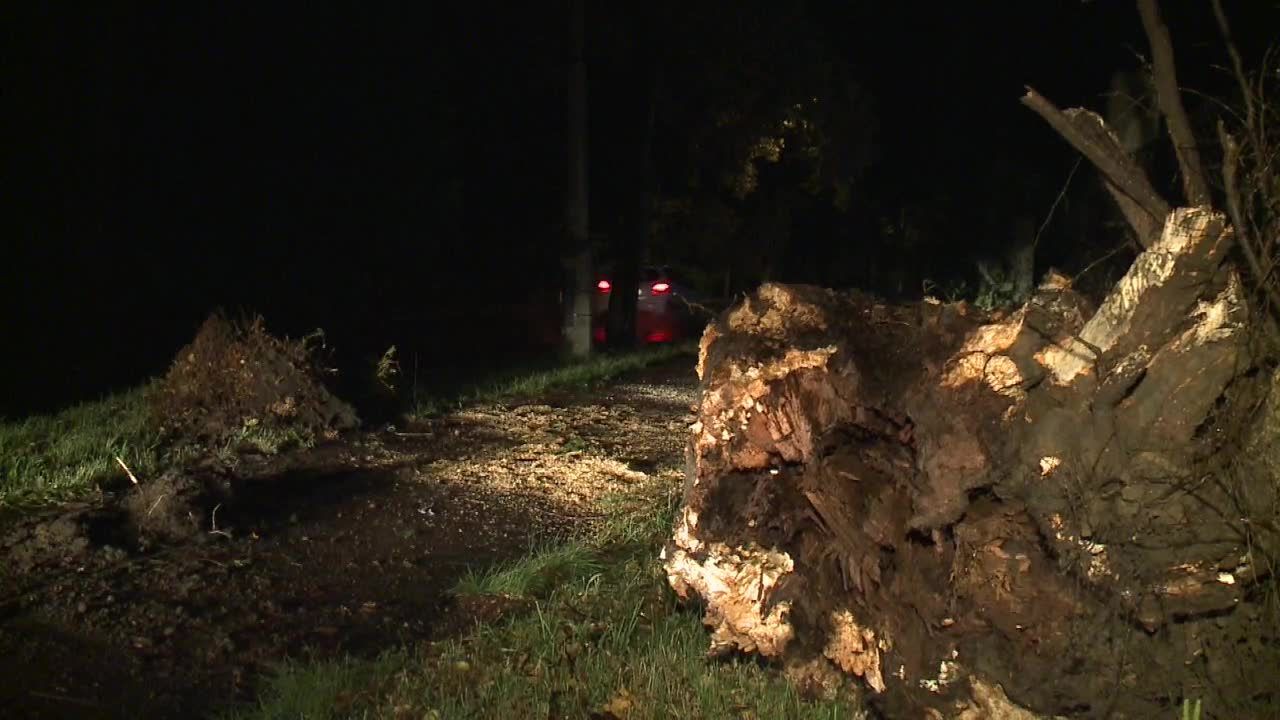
{"x": 236, "y": 382}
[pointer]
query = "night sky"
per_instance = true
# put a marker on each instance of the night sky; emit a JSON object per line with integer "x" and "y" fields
{"x": 395, "y": 173}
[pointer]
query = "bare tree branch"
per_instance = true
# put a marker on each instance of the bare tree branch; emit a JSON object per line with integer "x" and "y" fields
{"x": 1237, "y": 64}
{"x": 1244, "y": 230}
{"x": 1230, "y": 168}
{"x": 1194, "y": 184}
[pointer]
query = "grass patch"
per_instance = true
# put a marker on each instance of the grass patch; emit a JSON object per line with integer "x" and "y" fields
{"x": 47, "y": 459}
{"x": 533, "y": 381}
{"x": 535, "y": 577}
{"x": 604, "y": 635}
{"x": 266, "y": 440}
{"x": 325, "y": 689}
{"x": 51, "y": 458}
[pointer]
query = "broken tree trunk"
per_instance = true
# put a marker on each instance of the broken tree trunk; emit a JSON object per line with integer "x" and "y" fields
{"x": 952, "y": 510}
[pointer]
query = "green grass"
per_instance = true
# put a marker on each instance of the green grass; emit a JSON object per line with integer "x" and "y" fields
{"x": 47, "y": 459}
{"x": 326, "y": 689}
{"x": 267, "y": 440}
{"x": 528, "y": 382}
{"x": 604, "y": 632}
{"x": 51, "y": 458}
{"x": 536, "y": 576}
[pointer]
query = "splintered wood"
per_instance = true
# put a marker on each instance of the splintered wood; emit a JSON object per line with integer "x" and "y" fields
{"x": 736, "y": 583}
{"x": 1144, "y": 303}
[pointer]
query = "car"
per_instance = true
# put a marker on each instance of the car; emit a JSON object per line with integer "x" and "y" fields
{"x": 663, "y": 310}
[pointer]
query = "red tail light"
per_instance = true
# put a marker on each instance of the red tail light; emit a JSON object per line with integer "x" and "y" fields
{"x": 603, "y": 286}
{"x": 660, "y": 288}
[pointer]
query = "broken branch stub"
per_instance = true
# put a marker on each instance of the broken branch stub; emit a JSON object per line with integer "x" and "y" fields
{"x": 1086, "y": 131}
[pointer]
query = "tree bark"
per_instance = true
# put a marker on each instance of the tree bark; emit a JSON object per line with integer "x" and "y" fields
{"x": 1169, "y": 95}
{"x": 945, "y": 504}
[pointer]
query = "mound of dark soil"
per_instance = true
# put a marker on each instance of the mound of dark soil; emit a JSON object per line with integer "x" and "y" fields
{"x": 236, "y": 377}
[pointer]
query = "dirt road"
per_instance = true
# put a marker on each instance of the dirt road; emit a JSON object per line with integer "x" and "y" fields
{"x": 349, "y": 548}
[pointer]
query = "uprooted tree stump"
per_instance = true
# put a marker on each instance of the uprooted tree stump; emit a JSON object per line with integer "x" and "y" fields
{"x": 955, "y": 507}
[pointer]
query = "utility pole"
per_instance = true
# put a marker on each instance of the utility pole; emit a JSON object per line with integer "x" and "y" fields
{"x": 576, "y": 260}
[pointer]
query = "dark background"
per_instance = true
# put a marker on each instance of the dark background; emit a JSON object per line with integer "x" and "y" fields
{"x": 395, "y": 173}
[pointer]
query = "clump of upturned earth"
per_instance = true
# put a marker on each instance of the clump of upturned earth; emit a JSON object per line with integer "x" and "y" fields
{"x": 236, "y": 382}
